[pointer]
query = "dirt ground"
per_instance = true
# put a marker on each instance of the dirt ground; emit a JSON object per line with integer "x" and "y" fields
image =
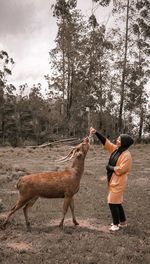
{"x": 90, "y": 242}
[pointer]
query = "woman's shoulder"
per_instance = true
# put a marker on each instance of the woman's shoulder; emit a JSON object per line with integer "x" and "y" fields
{"x": 110, "y": 146}
{"x": 126, "y": 154}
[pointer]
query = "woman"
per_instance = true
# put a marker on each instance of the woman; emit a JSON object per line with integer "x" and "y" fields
{"x": 119, "y": 165}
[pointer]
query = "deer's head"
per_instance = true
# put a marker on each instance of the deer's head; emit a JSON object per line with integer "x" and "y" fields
{"x": 79, "y": 151}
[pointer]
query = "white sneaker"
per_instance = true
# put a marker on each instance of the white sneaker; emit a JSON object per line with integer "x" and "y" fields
{"x": 123, "y": 225}
{"x": 114, "y": 228}
{"x": 120, "y": 225}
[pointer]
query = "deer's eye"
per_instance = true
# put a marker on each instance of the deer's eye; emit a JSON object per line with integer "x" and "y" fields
{"x": 78, "y": 150}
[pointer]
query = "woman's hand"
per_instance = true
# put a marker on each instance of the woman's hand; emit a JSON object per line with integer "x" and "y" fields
{"x": 92, "y": 131}
{"x": 110, "y": 168}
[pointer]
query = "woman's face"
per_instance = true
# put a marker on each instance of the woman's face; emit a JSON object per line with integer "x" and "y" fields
{"x": 118, "y": 141}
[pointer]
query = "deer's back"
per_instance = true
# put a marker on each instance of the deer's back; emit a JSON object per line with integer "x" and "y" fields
{"x": 49, "y": 184}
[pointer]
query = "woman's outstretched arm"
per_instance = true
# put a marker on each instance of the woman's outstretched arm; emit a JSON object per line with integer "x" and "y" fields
{"x": 109, "y": 146}
{"x": 93, "y": 131}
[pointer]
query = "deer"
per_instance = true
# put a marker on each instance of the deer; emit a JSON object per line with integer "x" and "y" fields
{"x": 54, "y": 184}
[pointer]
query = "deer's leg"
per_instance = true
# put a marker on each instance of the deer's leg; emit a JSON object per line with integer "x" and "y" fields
{"x": 72, "y": 211}
{"x": 66, "y": 204}
{"x": 20, "y": 202}
{"x": 25, "y": 211}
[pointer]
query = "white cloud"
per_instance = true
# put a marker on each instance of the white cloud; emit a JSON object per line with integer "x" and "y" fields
{"x": 28, "y": 30}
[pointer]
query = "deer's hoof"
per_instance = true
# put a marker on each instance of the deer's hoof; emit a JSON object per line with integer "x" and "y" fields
{"x": 75, "y": 222}
{"x": 61, "y": 226}
{"x": 29, "y": 228}
{"x": 3, "y": 227}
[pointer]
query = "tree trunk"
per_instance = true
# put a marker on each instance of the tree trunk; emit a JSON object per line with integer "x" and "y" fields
{"x": 141, "y": 125}
{"x": 63, "y": 73}
{"x": 141, "y": 95}
{"x": 124, "y": 72}
{"x": 68, "y": 89}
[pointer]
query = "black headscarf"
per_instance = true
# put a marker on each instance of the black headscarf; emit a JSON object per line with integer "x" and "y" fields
{"x": 126, "y": 142}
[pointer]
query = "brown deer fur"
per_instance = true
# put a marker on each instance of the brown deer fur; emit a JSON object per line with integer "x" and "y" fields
{"x": 59, "y": 184}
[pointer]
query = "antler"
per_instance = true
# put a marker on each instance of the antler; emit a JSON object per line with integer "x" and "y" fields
{"x": 73, "y": 151}
{"x": 63, "y": 159}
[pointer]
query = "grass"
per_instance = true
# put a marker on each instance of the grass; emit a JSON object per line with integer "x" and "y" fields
{"x": 90, "y": 242}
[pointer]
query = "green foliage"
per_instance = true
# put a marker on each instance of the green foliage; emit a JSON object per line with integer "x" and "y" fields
{"x": 93, "y": 21}
{"x": 102, "y": 2}
{"x": 62, "y": 8}
{"x": 85, "y": 84}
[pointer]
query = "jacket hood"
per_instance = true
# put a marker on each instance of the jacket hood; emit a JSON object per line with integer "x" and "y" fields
{"x": 126, "y": 141}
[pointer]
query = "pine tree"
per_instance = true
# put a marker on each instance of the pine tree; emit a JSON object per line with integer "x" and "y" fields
{"x": 6, "y": 97}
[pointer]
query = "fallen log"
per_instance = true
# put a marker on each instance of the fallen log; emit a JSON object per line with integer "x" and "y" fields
{"x": 67, "y": 140}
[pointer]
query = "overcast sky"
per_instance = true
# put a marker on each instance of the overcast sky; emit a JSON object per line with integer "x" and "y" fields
{"x": 27, "y": 33}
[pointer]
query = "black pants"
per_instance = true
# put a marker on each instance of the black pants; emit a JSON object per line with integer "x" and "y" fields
{"x": 117, "y": 213}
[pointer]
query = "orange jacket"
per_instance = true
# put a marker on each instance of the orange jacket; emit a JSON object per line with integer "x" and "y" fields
{"x": 118, "y": 180}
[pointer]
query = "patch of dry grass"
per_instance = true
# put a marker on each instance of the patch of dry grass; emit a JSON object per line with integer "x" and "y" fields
{"x": 91, "y": 242}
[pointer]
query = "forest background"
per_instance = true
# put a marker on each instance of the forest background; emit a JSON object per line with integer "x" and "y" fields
{"x": 98, "y": 76}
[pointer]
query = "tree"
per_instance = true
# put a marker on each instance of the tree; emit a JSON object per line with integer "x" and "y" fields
{"x": 139, "y": 71}
{"x": 124, "y": 70}
{"x": 6, "y": 95}
{"x": 66, "y": 58}
{"x": 67, "y": 33}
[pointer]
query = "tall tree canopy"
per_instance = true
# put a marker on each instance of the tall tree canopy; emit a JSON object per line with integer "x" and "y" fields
{"x": 98, "y": 76}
